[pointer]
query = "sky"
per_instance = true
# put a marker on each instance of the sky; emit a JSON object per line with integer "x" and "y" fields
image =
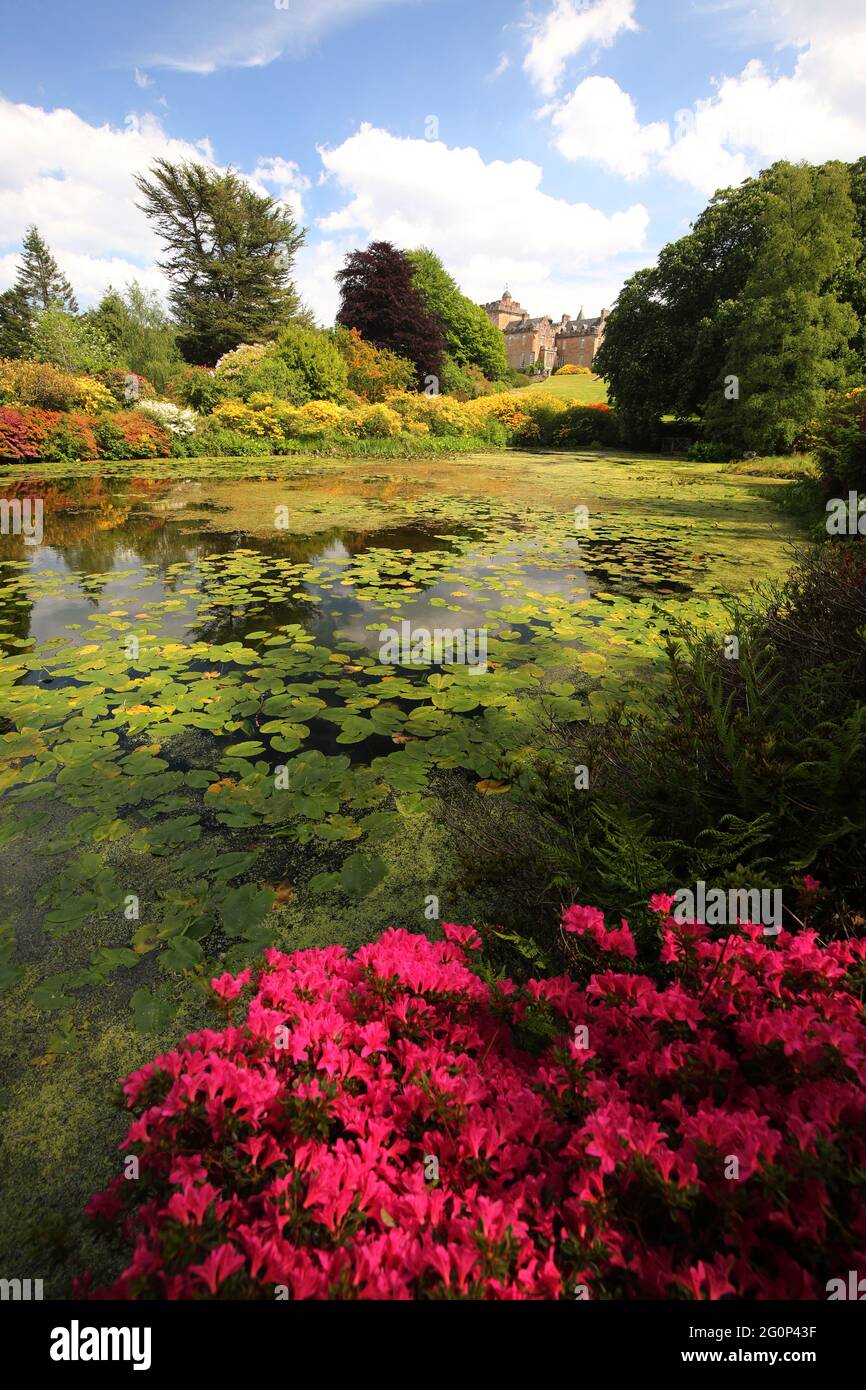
{"x": 552, "y": 146}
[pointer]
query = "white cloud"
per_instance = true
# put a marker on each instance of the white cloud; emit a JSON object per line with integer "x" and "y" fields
{"x": 282, "y": 178}
{"x": 568, "y": 28}
{"x": 491, "y": 222}
{"x": 816, "y": 112}
{"x": 599, "y": 122}
{"x": 206, "y": 35}
{"x": 76, "y": 182}
{"x": 141, "y": 79}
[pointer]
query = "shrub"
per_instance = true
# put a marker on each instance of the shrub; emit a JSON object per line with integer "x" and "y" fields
{"x": 212, "y": 439}
{"x": 23, "y": 432}
{"x": 40, "y": 384}
{"x": 130, "y": 434}
{"x": 704, "y": 451}
{"x": 314, "y": 366}
{"x": 126, "y": 387}
{"x": 71, "y": 436}
{"x": 178, "y": 420}
{"x": 372, "y": 372}
{"x": 93, "y": 398}
{"x": 571, "y": 369}
{"x": 392, "y": 1125}
{"x": 197, "y": 387}
{"x": 379, "y": 422}
{"x": 838, "y": 440}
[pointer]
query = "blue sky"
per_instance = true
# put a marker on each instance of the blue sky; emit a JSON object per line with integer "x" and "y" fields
{"x": 555, "y": 144}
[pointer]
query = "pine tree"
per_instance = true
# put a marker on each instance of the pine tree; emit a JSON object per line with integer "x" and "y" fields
{"x": 380, "y": 299}
{"x": 229, "y": 257}
{"x": 16, "y": 323}
{"x": 40, "y": 278}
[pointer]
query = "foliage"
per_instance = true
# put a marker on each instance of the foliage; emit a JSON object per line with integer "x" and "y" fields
{"x": 470, "y": 338}
{"x": 837, "y": 439}
{"x": 673, "y": 325}
{"x": 40, "y": 280}
{"x": 793, "y": 333}
{"x": 571, "y": 369}
{"x": 132, "y": 434}
{"x": 392, "y": 1125}
{"x": 73, "y": 344}
{"x": 16, "y": 323}
{"x": 378, "y": 297}
{"x": 229, "y": 256}
{"x": 372, "y": 372}
{"x": 24, "y": 382}
{"x": 314, "y": 364}
{"x": 126, "y": 387}
{"x": 142, "y": 335}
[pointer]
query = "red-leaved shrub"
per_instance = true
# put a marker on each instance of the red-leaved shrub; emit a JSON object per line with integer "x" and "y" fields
{"x": 24, "y": 430}
{"x": 394, "y": 1125}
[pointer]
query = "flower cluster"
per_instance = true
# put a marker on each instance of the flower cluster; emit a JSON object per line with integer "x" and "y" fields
{"x": 177, "y": 419}
{"x": 394, "y": 1125}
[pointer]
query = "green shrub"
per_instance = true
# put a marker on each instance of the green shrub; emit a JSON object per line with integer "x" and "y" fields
{"x": 838, "y": 441}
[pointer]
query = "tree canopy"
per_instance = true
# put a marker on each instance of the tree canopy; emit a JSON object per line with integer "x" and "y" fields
{"x": 229, "y": 257}
{"x": 40, "y": 279}
{"x": 682, "y": 327}
{"x": 470, "y": 338}
{"x": 378, "y": 296}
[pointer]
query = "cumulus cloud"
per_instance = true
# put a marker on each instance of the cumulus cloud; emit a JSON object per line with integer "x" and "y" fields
{"x": 567, "y": 29}
{"x": 75, "y": 181}
{"x": 492, "y": 223}
{"x": 599, "y": 122}
{"x": 815, "y": 112}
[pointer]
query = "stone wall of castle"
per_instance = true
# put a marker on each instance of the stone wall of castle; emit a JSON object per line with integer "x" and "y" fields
{"x": 543, "y": 343}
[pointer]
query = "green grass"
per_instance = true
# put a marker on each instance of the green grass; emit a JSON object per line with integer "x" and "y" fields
{"x": 584, "y": 390}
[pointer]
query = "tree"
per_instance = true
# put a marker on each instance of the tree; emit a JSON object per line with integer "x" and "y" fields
{"x": 378, "y": 297}
{"x": 471, "y": 339}
{"x": 793, "y": 334}
{"x": 16, "y": 323}
{"x": 139, "y": 330}
{"x": 229, "y": 257}
{"x": 71, "y": 343}
{"x": 671, "y": 325}
{"x": 40, "y": 279}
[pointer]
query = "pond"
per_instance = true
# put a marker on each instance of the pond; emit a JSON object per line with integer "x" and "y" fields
{"x": 206, "y": 748}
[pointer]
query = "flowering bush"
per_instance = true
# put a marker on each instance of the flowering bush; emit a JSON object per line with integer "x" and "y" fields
{"x": 23, "y": 432}
{"x": 179, "y": 420}
{"x": 571, "y": 369}
{"x": 37, "y": 384}
{"x": 126, "y": 386}
{"x": 93, "y": 398}
{"x": 71, "y": 436}
{"x": 130, "y": 434}
{"x": 394, "y": 1125}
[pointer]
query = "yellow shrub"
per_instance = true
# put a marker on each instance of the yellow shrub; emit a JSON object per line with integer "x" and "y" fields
{"x": 92, "y": 396}
{"x": 379, "y": 422}
{"x": 571, "y": 369}
{"x": 325, "y": 415}
{"x": 39, "y": 384}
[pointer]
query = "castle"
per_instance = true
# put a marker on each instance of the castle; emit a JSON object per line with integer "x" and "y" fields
{"x": 542, "y": 342}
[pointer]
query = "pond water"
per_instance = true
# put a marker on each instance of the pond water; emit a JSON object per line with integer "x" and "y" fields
{"x": 204, "y": 752}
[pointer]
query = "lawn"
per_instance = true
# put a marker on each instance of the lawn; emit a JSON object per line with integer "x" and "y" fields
{"x": 585, "y": 390}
